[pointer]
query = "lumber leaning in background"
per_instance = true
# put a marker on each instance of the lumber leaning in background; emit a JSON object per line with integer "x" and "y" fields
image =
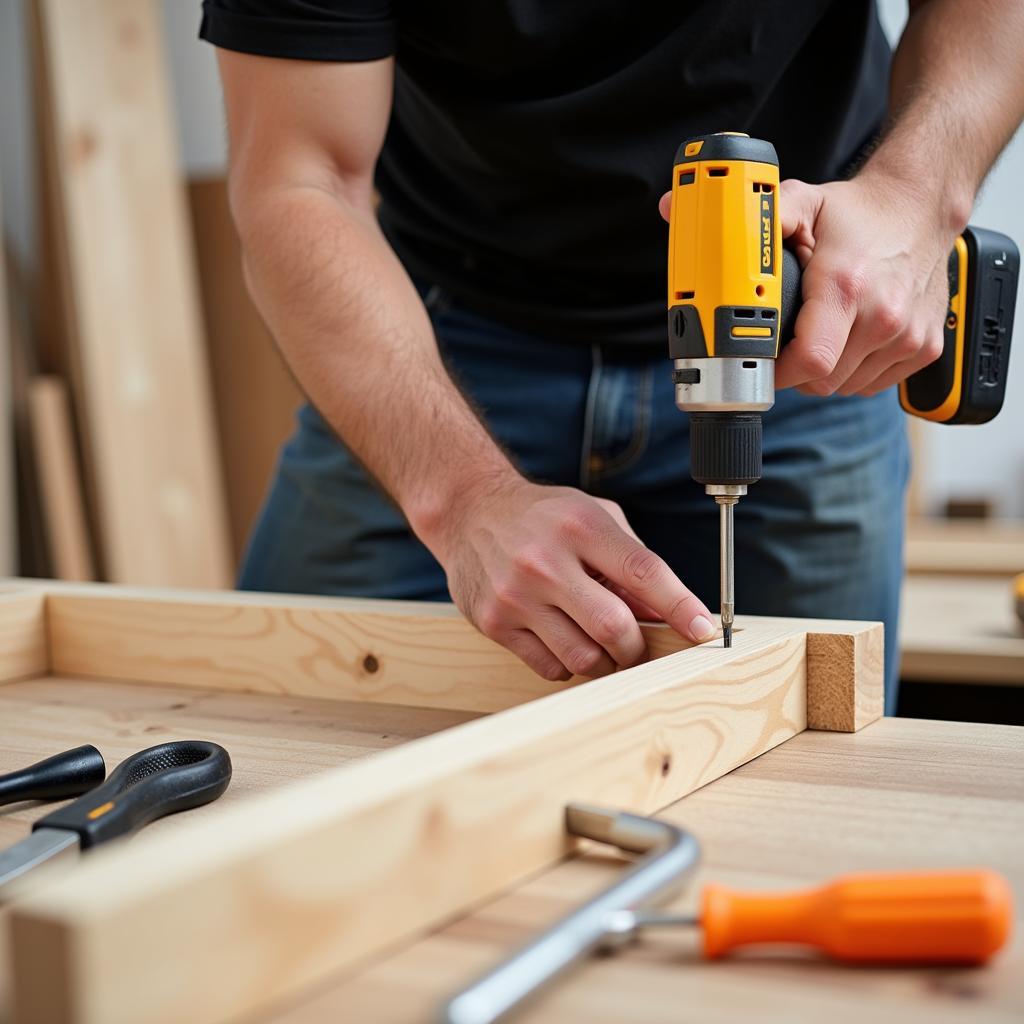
{"x": 285, "y": 889}
{"x": 8, "y": 502}
{"x": 53, "y": 443}
{"x": 142, "y": 388}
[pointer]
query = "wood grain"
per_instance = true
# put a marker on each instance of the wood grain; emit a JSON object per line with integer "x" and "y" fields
{"x": 23, "y": 640}
{"x": 848, "y": 673}
{"x": 901, "y": 795}
{"x": 961, "y": 629}
{"x": 142, "y": 389}
{"x": 263, "y": 906}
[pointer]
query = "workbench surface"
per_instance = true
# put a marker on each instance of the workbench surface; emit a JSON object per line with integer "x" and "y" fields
{"x": 973, "y": 547}
{"x": 901, "y": 794}
{"x": 273, "y": 740}
{"x": 961, "y": 629}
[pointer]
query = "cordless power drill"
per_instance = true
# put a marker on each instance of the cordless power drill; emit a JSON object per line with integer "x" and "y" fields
{"x": 733, "y": 295}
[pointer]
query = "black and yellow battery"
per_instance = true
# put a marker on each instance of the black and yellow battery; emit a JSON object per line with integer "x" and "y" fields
{"x": 967, "y": 383}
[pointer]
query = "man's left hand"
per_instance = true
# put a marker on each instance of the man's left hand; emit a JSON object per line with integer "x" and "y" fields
{"x": 874, "y": 285}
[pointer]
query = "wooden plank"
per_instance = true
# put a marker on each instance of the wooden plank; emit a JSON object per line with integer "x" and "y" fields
{"x": 144, "y": 398}
{"x": 421, "y": 653}
{"x": 60, "y": 484}
{"x": 961, "y": 629}
{"x": 950, "y": 546}
{"x": 255, "y": 396}
{"x": 902, "y": 795}
{"x": 259, "y": 910}
{"x": 8, "y": 498}
{"x": 23, "y": 640}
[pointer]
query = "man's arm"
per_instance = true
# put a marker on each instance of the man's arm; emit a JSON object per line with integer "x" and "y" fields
{"x": 875, "y": 248}
{"x": 520, "y": 558}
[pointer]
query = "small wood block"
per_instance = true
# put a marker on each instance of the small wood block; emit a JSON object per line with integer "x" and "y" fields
{"x": 845, "y": 679}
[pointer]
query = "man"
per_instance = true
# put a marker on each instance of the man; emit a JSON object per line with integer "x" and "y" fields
{"x": 490, "y": 342}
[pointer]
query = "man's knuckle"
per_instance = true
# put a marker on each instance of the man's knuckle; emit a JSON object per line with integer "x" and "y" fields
{"x": 932, "y": 348}
{"x": 583, "y": 660}
{"x": 532, "y": 562}
{"x": 890, "y": 317}
{"x": 817, "y": 361}
{"x": 549, "y": 669}
{"x": 576, "y": 523}
{"x": 908, "y": 344}
{"x": 850, "y": 284}
{"x": 610, "y": 625}
{"x": 642, "y": 567}
{"x": 490, "y": 619}
{"x": 683, "y": 608}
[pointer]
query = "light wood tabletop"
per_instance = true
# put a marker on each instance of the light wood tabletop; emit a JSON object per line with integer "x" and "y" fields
{"x": 974, "y": 547}
{"x": 961, "y": 629}
{"x": 901, "y": 794}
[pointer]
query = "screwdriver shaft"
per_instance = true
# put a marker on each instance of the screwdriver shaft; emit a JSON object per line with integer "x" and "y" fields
{"x": 726, "y": 504}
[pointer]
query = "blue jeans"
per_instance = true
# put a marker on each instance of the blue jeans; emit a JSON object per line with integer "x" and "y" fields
{"x": 821, "y": 535}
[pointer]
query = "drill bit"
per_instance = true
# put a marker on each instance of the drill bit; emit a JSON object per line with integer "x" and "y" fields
{"x": 726, "y": 503}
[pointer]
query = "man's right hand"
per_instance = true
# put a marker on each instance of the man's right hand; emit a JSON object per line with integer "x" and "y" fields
{"x": 558, "y": 577}
{"x": 547, "y": 571}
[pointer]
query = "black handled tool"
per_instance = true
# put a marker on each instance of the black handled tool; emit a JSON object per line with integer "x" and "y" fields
{"x": 70, "y": 773}
{"x": 146, "y": 786}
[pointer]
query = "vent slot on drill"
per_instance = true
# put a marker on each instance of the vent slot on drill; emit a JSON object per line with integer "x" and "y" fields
{"x": 681, "y": 296}
{"x": 746, "y": 314}
{"x": 717, "y": 172}
{"x": 686, "y": 177}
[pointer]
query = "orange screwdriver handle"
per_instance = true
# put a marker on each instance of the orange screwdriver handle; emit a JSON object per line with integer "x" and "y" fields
{"x": 919, "y": 917}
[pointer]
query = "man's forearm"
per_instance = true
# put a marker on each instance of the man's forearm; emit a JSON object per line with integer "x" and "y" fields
{"x": 956, "y": 97}
{"x": 357, "y": 337}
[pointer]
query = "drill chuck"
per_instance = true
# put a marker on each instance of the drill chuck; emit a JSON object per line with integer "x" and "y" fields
{"x": 725, "y": 447}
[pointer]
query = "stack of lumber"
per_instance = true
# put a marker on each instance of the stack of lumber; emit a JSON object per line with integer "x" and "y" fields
{"x": 148, "y": 400}
{"x": 132, "y": 332}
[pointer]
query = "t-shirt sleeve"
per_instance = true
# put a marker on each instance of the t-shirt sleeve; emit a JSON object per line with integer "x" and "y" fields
{"x": 345, "y": 30}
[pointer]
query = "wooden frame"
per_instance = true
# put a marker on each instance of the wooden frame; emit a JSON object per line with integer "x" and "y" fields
{"x": 287, "y": 887}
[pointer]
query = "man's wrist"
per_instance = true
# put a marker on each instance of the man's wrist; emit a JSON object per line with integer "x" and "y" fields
{"x": 438, "y": 504}
{"x": 937, "y": 188}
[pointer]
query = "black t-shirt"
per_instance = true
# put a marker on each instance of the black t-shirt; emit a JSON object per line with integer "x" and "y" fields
{"x": 530, "y": 140}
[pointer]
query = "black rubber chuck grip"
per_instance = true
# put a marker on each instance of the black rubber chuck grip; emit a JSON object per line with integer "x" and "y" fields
{"x": 725, "y": 447}
{"x": 70, "y": 773}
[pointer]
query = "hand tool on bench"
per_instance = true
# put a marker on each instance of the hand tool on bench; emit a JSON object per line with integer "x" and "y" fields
{"x": 733, "y": 296}
{"x": 67, "y": 774}
{"x": 147, "y": 785}
{"x": 960, "y": 917}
